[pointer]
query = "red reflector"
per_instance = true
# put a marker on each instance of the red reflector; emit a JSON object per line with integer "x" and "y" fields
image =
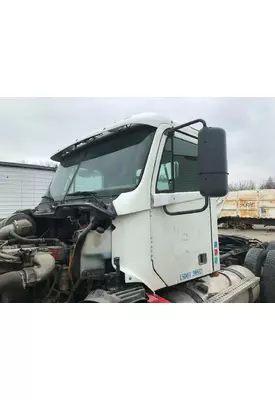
{"x": 216, "y": 252}
{"x": 156, "y": 299}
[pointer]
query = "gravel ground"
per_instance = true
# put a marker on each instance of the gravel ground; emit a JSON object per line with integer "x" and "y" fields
{"x": 265, "y": 234}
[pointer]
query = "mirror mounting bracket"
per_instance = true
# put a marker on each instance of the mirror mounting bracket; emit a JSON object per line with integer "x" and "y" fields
{"x": 170, "y": 132}
{"x": 193, "y": 122}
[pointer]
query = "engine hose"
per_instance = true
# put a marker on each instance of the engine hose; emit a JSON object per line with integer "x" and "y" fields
{"x": 31, "y": 240}
{"x": 26, "y": 240}
{"x": 75, "y": 259}
{"x": 10, "y": 257}
{"x": 44, "y": 264}
{"x": 75, "y": 287}
{"x": 11, "y": 279}
{"x": 22, "y": 226}
{"x": 56, "y": 279}
{"x": 6, "y": 231}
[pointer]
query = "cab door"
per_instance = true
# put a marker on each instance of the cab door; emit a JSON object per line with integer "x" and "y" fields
{"x": 181, "y": 230}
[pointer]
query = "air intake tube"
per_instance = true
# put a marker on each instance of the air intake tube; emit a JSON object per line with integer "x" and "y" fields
{"x": 44, "y": 264}
{"x": 20, "y": 224}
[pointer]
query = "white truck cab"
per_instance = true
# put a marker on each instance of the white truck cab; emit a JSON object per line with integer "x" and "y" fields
{"x": 130, "y": 216}
{"x": 165, "y": 229}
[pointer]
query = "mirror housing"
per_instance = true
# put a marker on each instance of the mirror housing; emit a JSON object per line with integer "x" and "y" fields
{"x": 212, "y": 162}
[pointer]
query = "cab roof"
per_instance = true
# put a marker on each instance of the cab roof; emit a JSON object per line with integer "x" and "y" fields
{"x": 152, "y": 119}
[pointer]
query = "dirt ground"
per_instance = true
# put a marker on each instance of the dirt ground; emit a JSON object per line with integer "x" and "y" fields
{"x": 265, "y": 234}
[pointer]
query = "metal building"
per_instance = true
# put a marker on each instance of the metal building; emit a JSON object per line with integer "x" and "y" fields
{"x": 22, "y": 186}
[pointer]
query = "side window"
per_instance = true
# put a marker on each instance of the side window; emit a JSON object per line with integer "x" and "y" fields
{"x": 165, "y": 182}
{"x": 183, "y": 160}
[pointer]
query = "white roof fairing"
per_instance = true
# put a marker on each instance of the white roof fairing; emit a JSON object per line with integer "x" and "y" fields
{"x": 152, "y": 119}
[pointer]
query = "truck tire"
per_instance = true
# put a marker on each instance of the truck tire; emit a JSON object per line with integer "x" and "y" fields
{"x": 268, "y": 277}
{"x": 254, "y": 260}
{"x": 271, "y": 245}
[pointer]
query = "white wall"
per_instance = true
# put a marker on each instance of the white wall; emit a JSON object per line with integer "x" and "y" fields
{"x": 22, "y": 188}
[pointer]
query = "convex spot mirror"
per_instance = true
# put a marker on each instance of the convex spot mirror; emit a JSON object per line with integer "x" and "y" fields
{"x": 212, "y": 162}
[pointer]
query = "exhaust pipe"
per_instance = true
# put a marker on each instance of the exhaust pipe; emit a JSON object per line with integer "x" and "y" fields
{"x": 44, "y": 264}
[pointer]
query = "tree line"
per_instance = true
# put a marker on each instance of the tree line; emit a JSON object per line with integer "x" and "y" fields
{"x": 268, "y": 183}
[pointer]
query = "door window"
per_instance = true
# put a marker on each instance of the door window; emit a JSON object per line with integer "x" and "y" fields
{"x": 183, "y": 176}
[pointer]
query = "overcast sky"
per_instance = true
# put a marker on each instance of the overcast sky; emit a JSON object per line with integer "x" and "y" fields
{"x": 33, "y": 129}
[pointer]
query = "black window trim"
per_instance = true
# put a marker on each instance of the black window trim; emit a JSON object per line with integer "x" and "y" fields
{"x": 170, "y": 135}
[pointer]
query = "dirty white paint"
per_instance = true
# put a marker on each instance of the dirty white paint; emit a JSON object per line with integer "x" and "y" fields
{"x": 22, "y": 186}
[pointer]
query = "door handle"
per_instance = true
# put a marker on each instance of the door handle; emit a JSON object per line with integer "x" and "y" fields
{"x": 202, "y": 258}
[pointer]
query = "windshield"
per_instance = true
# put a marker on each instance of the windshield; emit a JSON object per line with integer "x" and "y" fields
{"x": 108, "y": 167}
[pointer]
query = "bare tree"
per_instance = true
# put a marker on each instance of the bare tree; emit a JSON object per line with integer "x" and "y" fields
{"x": 268, "y": 184}
{"x": 242, "y": 185}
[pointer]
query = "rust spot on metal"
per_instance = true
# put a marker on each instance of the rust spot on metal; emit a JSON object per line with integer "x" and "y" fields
{"x": 248, "y": 213}
{"x": 226, "y": 213}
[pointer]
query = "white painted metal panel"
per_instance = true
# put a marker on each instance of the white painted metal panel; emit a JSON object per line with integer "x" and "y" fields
{"x": 22, "y": 187}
